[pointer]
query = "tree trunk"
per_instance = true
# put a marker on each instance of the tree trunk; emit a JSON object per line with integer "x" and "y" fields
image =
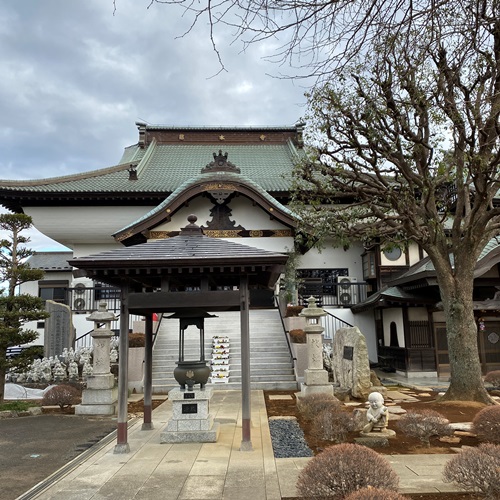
{"x": 3, "y": 354}
{"x": 466, "y": 382}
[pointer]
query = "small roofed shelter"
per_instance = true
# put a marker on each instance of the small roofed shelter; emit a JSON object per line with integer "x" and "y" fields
{"x": 187, "y": 271}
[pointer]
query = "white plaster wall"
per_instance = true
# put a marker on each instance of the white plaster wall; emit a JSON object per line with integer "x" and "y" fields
{"x": 418, "y": 314}
{"x": 366, "y": 324}
{"x": 244, "y": 213}
{"x": 413, "y": 253}
{"x": 71, "y": 226}
{"x": 331, "y": 257}
{"x": 388, "y": 316}
{"x": 384, "y": 261}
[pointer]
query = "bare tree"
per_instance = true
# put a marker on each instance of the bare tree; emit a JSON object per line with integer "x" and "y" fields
{"x": 316, "y": 37}
{"x": 405, "y": 122}
{"x": 409, "y": 132}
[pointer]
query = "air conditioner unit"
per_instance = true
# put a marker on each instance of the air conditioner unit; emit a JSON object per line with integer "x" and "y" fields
{"x": 82, "y": 298}
{"x": 347, "y": 293}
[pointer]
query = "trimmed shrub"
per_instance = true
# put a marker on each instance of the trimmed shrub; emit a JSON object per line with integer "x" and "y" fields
{"x": 313, "y": 404}
{"x": 374, "y": 494}
{"x": 344, "y": 468}
{"x": 486, "y": 424}
{"x": 332, "y": 424}
{"x": 298, "y": 336}
{"x": 136, "y": 339}
{"x": 292, "y": 311}
{"x": 476, "y": 469}
{"x": 63, "y": 396}
{"x": 493, "y": 378}
{"x": 424, "y": 424}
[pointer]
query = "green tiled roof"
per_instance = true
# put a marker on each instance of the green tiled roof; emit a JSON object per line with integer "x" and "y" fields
{"x": 164, "y": 167}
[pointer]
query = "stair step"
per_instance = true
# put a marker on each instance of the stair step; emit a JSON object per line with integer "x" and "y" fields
{"x": 270, "y": 361}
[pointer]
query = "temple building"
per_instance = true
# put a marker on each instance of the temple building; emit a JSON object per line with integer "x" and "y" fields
{"x": 236, "y": 181}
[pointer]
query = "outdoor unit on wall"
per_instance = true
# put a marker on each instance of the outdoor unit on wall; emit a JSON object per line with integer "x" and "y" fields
{"x": 347, "y": 293}
{"x": 81, "y": 298}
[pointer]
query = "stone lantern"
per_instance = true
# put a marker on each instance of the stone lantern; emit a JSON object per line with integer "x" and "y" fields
{"x": 101, "y": 396}
{"x": 315, "y": 376}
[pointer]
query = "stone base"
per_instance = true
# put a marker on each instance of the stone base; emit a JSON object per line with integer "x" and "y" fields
{"x": 100, "y": 382}
{"x": 191, "y": 421}
{"x": 95, "y": 410}
{"x": 388, "y": 433}
{"x": 98, "y": 402}
{"x": 209, "y": 436}
{"x": 305, "y": 389}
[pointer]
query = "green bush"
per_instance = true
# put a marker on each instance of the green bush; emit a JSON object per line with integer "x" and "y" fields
{"x": 343, "y": 469}
{"x": 16, "y": 405}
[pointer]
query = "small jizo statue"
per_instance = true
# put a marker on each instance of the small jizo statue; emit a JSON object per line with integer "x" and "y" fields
{"x": 377, "y": 414}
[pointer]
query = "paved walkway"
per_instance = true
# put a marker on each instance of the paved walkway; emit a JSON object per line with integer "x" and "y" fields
{"x": 218, "y": 470}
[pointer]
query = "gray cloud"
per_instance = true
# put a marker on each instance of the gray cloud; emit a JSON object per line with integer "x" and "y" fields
{"x": 75, "y": 78}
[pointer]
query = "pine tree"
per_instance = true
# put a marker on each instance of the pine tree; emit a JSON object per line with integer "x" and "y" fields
{"x": 16, "y": 309}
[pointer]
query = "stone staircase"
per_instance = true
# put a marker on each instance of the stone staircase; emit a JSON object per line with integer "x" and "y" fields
{"x": 271, "y": 366}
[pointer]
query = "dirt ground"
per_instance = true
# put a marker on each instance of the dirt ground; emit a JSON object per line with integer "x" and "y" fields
{"x": 454, "y": 411}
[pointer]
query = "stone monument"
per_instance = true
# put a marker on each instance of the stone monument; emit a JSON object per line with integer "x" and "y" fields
{"x": 315, "y": 376}
{"x": 351, "y": 364}
{"x": 59, "y": 333}
{"x": 101, "y": 396}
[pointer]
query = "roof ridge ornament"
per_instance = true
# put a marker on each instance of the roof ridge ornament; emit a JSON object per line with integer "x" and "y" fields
{"x": 192, "y": 229}
{"x": 219, "y": 164}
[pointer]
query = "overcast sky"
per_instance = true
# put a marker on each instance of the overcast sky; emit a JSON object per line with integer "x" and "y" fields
{"x": 76, "y": 76}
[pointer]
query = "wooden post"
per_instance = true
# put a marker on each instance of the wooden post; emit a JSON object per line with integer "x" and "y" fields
{"x": 122, "y": 445}
{"x": 148, "y": 375}
{"x": 246, "y": 443}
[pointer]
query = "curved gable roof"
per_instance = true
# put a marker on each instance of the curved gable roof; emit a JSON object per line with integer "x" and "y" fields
{"x": 207, "y": 182}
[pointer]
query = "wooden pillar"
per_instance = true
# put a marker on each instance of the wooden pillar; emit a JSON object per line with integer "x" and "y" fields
{"x": 121, "y": 439}
{"x": 148, "y": 375}
{"x": 246, "y": 443}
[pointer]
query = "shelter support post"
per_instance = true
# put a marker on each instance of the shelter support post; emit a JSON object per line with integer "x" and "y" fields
{"x": 122, "y": 445}
{"x": 148, "y": 374}
{"x": 246, "y": 443}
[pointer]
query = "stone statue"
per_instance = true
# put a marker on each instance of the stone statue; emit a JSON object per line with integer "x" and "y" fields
{"x": 377, "y": 414}
{"x": 73, "y": 371}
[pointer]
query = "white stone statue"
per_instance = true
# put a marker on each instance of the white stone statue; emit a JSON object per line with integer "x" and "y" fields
{"x": 113, "y": 355}
{"x": 73, "y": 371}
{"x": 59, "y": 372}
{"x": 377, "y": 414}
{"x": 87, "y": 370}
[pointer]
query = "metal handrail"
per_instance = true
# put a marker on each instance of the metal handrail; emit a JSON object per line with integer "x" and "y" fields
{"x": 333, "y": 323}
{"x": 277, "y": 305}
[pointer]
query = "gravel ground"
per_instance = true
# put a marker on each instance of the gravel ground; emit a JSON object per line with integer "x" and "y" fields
{"x": 288, "y": 439}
